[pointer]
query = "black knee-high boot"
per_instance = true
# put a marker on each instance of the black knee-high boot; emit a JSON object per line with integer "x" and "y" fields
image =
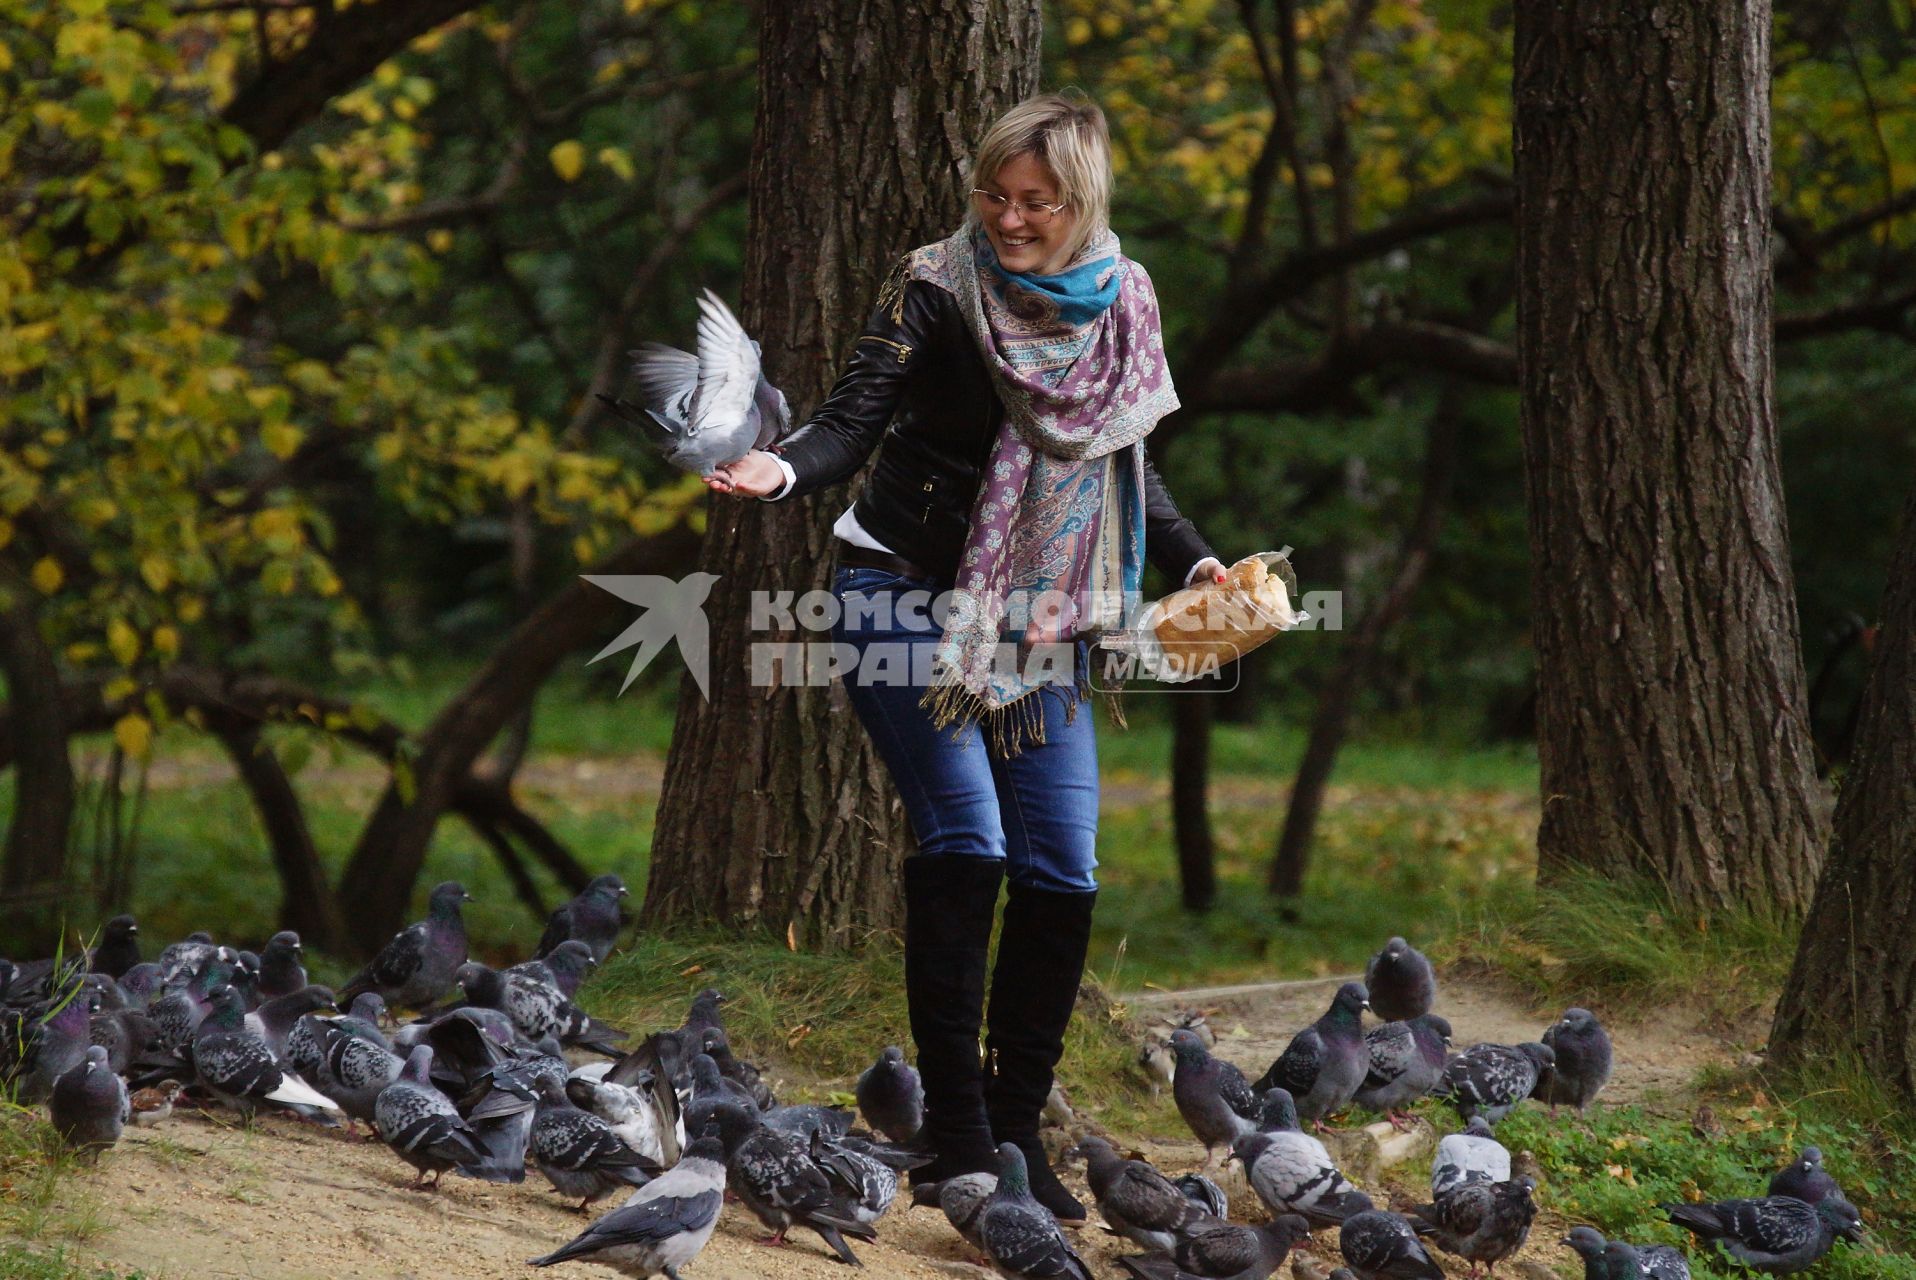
{"x": 1033, "y": 990}
{"x": 949, "y": 905}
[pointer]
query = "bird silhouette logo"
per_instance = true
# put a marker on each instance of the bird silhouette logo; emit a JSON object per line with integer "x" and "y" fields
{"x": 674, "y": 609}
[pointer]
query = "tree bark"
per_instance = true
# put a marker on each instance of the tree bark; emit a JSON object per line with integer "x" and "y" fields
{"x": 306, "y": 900}
{"x": 1852, "y": 990}
{"x": 1338, "y": 698}
{"x": 1672, "y": 717}
{"x": 775, "y": 810}
{"x": 33, "y": 872}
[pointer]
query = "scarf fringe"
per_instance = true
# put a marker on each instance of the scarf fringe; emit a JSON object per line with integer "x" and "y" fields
{"x": 1013, "y": 726}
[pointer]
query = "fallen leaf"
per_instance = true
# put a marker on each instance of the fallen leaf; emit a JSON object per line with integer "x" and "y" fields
{"x": 686, "y": 973}
{"x": 791, "y": 935}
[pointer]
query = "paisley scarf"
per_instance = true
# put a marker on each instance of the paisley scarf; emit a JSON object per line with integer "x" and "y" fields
{"x": 1055, "y": 549}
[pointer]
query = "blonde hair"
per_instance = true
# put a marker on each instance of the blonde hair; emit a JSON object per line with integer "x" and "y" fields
{"x": 1067, "y": 134}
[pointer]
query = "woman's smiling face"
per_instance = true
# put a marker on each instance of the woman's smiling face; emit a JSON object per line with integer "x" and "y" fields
{"x": 1022, "y": 244}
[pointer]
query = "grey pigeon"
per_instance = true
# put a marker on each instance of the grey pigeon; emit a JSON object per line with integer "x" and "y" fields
{"x": 744, "y": 1074}
{"x": 273, "y": 1021}
{"x": 1204, "y": 1193}
{"x": 711, "y": 1090}
{"x": 1401, "y": 983}
{"x": 704, "y": 411}
{"x": 592, "y": 918}
{"x": 1483, "y": 1222}
{"x": 1224, "y": 1251}
{"x": 1137, "y": 1201}
{"x": 1581, "y": 1061}
{"x": 802, "y": 1120}
{"x": 1489, "y": 1080}
{"x": 352, "y": 1069}
{"x": 38, "y": 1051}
{"x": 663, "y": 1225}
{"x": 119, "y": 948}
{"x": 1615, "y": 1260}
{"x": 282, "y": 970}
{"x": 962, "y": 1199}
{"x": 566, "y": 966}
{"x": 503, "y": 1103}
{"x": 1806, "y": 1179}
{"x": 1776, "y": 1234}
{"x": 140, "y": 985}
{"x": 1292, "y": 1172}
{"x": 238, "y": 1067}
{"x": 89, "y": 1105}
{"x": 891, "y": 1097}
{"x": 578, "y": 1152}
{"x": 863, "y": 1181}
{"x": 131, "y": 1040}
{"x": 1212, "y": 1095}
{"x": 1326, "y": 1062}
{"x": 1018, "y": 1234}
{"x": 180, "y": 1009}
{"x": 631, "y": 1110}
{"x": 1406, "y": 1062}
{"x": 1471, "y": 1156}
{"x": 302, "y": 1049}
{"x": 773, "y": 1175}
{"x": 187, "y": 956}
{"x": 420, "y": 1123}
{"x": 1380, "y": 1245}
{"x": 417, "y": 966}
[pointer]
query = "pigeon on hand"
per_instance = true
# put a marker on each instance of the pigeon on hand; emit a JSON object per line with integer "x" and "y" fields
{"x": 1615, "y": 1260}
{"x": 1406, "y": 1062}
{"x": 663, "y": 1225}
{"x": 704, "y": 411}
{"x": 1326, "y": 1062}
{"x": 421, "y": 1125}
{"x": 1491, "y": 1079}
{"x": 1224, "y": 1251}
{"x": 1292, "y": 1172}
{"x": 1484, "y": 1222}
{"x": 1806, "y": 1179}
{"x": 89, "y": 1106}
{"x": 1137, "y": 1201}
{"x": 773, "y": 1176}
{"x": 1204, "y": 1193}
{"x": 1212, "y": 1095}
{"x": 238, "y": 1067}
{"x": 963, "y": 1199}
{"x": 891, "y": 1097}
{"x": 1401, "y": 983}
{"x": 1581, "y": 1065}
{"x": 416, "y": 967}
{"x": 592, "y": 918}
{"x": 1018, "y": 1234}
{"x": 1775, "y": 1234}
{"x": 1471, "y": 1156}
{"x": 281, "y": 970}
{"x": 1381, "y": 1245}
{"x": 578, "y": 1152}
{"x": 119, "y": 948}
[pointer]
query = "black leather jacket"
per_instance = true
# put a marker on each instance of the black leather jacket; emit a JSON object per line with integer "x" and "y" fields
{"x": 916, "y": 380}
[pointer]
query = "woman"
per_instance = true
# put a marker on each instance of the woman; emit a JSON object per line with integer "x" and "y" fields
{"x": 1025, "y": 348}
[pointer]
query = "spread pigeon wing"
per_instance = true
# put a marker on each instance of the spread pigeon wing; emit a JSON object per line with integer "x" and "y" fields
{"x": 668, "y": 380}
{"x": 728, "y": 368}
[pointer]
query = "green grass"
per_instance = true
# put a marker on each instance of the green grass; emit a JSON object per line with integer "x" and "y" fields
{"x": 1586, "y": 936}
{"x": 44, "y": 1194}
{"x": 17, "y": 1262}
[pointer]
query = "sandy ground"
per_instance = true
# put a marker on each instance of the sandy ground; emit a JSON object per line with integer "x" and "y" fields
{"x": 201, "y": 1197}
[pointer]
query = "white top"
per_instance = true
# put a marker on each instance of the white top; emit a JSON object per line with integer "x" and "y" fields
{"x": 847, "y": 528}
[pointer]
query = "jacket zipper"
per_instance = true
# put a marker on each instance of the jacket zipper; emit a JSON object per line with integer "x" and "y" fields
{"x": 904, "y": 349}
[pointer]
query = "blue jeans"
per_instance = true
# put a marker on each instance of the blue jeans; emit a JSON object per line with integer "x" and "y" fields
{"x": 1037, "y": 810}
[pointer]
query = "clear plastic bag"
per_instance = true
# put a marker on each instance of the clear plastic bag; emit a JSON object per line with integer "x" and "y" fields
{"x": 1195, "y": 631}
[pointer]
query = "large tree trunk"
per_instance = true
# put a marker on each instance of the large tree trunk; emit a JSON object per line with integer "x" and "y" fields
{"x": 33, "y": 873}
{"x": 775, "y": 810}
{"x": 1672, "y": 722}
{"x": 1853, "y": 989}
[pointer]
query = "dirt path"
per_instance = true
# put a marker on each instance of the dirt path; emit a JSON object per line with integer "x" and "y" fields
{"x": 199, "y": 1198}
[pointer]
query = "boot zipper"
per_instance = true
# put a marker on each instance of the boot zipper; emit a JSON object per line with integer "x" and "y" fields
{"x": 904, "y": 349}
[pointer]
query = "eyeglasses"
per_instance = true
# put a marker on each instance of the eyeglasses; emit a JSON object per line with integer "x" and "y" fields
{"x": 1036, "y": 212}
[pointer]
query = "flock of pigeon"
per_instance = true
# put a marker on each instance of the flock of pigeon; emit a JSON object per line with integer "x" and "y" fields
{"x": 480, "y": 1081}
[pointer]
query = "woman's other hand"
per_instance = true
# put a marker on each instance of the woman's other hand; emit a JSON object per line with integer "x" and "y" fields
{"x": 1210, "y": 568}
{"x": 752, "y": 476}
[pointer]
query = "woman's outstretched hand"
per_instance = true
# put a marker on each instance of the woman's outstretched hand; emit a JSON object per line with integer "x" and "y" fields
{"x": 752, "y": 476}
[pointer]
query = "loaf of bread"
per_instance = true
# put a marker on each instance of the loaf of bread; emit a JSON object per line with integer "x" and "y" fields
{"x": 1211, "y": 623}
